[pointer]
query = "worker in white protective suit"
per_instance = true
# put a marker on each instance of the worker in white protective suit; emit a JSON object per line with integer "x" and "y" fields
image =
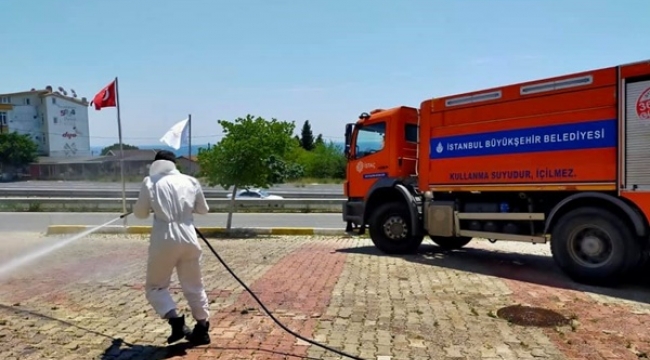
{"x": 174, "y": 198}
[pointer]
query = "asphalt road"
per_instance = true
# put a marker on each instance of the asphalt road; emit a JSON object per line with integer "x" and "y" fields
{"x": 38, "y": 222}
{"x": 117, "y": 186}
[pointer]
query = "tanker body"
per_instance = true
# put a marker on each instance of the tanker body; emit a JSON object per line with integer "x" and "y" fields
{"x": 564, "y": 160}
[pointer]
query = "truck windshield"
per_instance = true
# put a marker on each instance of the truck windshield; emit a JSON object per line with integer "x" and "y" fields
{"x": 370, "y": 139}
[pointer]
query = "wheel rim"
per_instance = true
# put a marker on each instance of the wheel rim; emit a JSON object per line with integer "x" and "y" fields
{"x": 395, "y": 228}
{"x": 590, "y": 246}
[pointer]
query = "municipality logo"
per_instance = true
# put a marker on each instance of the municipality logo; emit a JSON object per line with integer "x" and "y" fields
{"x": 360, "y": 166}
{"x": 439, "y": 148}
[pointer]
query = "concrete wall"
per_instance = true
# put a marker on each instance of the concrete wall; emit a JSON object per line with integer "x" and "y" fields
{"x": 59, "y": 126}
{"x": 25, "y": 117}
{"x": 68, "y": 128}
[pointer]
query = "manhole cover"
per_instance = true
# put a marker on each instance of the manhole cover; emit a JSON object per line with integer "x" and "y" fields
{"x": 532, "y": 316}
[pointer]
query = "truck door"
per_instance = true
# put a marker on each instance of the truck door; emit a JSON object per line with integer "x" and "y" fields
{"x": 370, "y": 158}
{"x": 637, "y": 135}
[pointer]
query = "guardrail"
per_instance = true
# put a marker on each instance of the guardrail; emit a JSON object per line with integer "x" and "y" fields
{"x": 131, "y": 193}
{"x": 217, "y": 205}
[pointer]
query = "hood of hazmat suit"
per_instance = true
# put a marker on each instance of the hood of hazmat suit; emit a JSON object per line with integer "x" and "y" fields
{"x": 173, "y": 198}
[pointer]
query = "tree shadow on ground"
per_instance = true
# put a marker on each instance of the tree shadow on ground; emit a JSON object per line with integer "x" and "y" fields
{"x": 120, "y": 349}
{"x": 535, "y": 269}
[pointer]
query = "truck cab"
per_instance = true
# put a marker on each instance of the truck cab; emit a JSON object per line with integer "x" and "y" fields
{"x": 381, "y": 147}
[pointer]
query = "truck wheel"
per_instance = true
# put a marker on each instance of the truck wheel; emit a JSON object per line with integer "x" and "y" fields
{"x": 594, "y": 246}
{"x": 451, "y": 243}
{"x": 390, "y": 229}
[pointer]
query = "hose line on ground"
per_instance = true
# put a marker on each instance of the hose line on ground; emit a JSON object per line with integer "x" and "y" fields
{"x": 266, "y": 310}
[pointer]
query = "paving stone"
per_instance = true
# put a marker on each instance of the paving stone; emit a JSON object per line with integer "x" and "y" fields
{"x": 76, "y": 303}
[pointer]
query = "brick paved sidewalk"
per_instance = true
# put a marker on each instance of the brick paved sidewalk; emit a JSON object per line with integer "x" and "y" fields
{"x": 77, "y": 302}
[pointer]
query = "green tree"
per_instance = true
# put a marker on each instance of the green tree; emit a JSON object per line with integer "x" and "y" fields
{"x": 306, "y": 136}
{"x": 319, "y": 140}
{"x": 251, "y": 154}
{"x": 17, "y": 150}
{"x": 116, "y": 147}
{"x": 326, "y": 160}
{"x": 283, "y": 169}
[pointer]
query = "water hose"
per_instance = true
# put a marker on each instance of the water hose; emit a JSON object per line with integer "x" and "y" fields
{"x": 266, "y": 310}
{"x": 260, "y": 302}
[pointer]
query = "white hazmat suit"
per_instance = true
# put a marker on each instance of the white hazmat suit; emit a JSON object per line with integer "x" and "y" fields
{"x": 174, "y": 198}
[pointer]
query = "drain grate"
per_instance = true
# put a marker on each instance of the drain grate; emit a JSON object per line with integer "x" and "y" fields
{"x": 532, "y": 316}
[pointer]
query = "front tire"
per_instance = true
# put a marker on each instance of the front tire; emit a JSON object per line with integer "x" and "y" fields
{"x": 594, "y": 246}
{"x": 390, "y": 229}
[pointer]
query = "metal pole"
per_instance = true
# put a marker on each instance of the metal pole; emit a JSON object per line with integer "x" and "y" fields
{"x": 119, "y": 131}
{"x": 189, "y": 124}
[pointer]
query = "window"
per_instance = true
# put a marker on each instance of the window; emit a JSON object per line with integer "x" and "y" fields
{"x": 5, "y": 100}
{"x": 411, "y": 133}
{"x": 26, "y": 101}
{"x": 3, "y": 118}
{"x": 370, "y": 139}
{"x": 53, "y": 100}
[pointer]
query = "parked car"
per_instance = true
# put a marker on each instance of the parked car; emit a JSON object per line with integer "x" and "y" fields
{"x": 6, "y": 177}
{"x": 254, "y": 194}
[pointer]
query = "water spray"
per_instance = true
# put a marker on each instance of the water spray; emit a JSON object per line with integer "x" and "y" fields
{"x": 21, "y": 261}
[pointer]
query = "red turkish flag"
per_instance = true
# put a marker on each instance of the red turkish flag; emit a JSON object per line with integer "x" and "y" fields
{"x": 106, "y": 97}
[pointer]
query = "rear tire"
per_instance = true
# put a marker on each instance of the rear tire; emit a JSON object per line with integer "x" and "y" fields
{"x": 594, "y": 246}
{"x": 390, "y": 229}
{"x": 451, "y": 243}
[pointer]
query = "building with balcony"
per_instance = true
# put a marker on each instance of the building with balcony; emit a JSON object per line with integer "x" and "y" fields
{"x": 58, "y": 123}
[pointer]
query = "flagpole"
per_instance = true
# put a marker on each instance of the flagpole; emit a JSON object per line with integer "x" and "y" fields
{"x": 119, "y": 131}
{"x": 189, "y": 124}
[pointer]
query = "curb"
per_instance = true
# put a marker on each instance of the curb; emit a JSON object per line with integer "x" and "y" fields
{"x": 207, "y": 231}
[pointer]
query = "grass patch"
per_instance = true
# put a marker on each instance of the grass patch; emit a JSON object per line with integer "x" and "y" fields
{"x": 302, "y": 182}
{"x": 105, "y": 179}
{"x": 311, "y": 181}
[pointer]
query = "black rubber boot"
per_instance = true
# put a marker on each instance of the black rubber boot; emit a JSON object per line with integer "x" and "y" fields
{"x": 179, "y": 329}
{"x": 200, "y": 335}
{"x": 362, "y": 229}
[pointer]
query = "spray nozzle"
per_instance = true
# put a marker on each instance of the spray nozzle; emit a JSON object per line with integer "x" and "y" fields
{"x": 126, "y": 214}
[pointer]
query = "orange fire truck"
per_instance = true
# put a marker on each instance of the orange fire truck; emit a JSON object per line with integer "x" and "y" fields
{"x": 564, "y": 160}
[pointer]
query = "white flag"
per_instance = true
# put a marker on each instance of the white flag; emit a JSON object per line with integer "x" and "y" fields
{"x": 178, "y": 133}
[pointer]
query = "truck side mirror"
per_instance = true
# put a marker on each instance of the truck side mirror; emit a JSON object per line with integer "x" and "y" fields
{"x": 348, "y": 138}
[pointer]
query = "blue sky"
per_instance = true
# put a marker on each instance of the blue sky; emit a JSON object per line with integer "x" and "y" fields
{"x": 322, "y": 60}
